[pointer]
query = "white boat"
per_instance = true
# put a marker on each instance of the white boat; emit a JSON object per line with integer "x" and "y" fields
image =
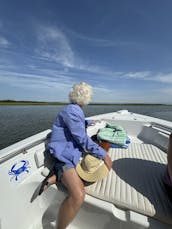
{"x": 132, "y": 196}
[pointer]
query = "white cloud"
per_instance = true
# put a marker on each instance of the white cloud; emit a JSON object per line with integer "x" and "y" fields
{"x": 138, "y": 75}
{"x": 40, "y": 87}
{"x": 96, "y": 41}
{"x": 54, "y": 46}
{"x": 148, "y": 75}
{"x": 164, "y": 78}
{"x": 104, "y": 94}
{"x": 35, "y": 80}
{"x": 4, "y": 42}
{"x": 53, "y": 84}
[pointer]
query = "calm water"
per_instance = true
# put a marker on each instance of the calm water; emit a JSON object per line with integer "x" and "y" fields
{"x": 19, "y": 122}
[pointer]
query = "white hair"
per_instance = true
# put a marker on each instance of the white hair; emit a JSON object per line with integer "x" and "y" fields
{"x": 81, "y": 94}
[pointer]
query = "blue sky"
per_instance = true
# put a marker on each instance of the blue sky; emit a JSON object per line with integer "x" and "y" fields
{"x": 123, "y": 48}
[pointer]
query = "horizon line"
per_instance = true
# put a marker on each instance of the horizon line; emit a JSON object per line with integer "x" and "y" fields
{"x": 8, "y": 101}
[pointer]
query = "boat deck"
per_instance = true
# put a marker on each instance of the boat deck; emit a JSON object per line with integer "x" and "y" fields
{"x": 133, "y": 185}
{"x": 136, "y": 181}
{"x": 132, "y": 196}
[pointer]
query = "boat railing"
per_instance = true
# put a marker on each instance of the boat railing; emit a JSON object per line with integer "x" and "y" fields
{"x": 162, "y": 128}
{"x": 22, "y": 146}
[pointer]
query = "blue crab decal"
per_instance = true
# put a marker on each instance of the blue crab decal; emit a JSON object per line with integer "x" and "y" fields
{"x": 15, "y": 172}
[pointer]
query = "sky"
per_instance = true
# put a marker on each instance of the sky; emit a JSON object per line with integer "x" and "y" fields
{"x": 123, "y": 48}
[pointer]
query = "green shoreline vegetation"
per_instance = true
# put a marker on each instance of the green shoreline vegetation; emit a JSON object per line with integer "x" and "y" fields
{"x": 20, "y": 102}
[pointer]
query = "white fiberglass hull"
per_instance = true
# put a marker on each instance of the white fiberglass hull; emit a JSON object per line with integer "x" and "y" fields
{"x": 22, "y": 166}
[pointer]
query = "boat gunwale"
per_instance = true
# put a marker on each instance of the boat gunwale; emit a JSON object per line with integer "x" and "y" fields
{"x": 22, "y": 146}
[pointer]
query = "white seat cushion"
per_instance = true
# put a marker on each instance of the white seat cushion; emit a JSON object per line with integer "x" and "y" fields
{"x": 135, "y": 181}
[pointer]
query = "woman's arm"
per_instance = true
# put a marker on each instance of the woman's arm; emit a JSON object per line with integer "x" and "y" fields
{"x": 76, "y": 125}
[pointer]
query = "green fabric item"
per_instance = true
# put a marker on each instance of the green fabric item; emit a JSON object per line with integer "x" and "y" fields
{"x": 116, "y": 136}
{"x": 114, "y": 127}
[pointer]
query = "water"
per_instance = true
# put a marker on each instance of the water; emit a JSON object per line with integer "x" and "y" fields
{"x": 19, "y": 122}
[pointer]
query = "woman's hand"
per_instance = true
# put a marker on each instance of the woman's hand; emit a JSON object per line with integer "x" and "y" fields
{"x": 108, "y": 161}
{"x": 105, "y": 145}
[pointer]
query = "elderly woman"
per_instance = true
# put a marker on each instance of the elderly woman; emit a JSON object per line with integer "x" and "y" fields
{"x": 68, "y": 140}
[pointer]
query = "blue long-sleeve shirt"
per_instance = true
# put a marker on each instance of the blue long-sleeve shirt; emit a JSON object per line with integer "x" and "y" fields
{"x": 69, "y": 138}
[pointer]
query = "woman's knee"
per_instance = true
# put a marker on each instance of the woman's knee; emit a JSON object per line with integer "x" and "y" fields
{"x": 78, "y": 195}
{"x": 75, "y": 186}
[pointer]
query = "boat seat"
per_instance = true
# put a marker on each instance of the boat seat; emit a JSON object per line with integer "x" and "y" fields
{"x": 135, "y": 182}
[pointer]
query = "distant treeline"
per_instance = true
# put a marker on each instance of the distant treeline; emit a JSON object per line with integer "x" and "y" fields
{"x": 23, "y": 102}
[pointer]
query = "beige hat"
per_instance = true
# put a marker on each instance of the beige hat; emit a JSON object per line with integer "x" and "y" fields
{"x": 91, "y": 169}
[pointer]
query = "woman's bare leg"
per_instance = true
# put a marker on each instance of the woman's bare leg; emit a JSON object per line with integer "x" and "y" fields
{"x": 170, "y": 157}
{"x": 76, "y": 195}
